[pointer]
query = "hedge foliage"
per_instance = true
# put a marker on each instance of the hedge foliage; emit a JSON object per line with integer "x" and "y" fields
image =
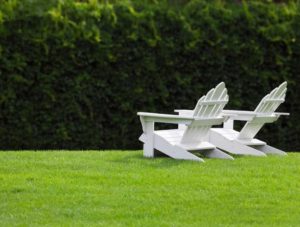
{"x": 73, "y": 74}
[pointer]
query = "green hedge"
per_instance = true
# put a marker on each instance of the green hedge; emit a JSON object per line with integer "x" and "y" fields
{"x": 73, "y": 74}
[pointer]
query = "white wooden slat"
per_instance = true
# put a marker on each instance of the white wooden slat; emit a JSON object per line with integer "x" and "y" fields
{"x": 274, "y": 105}
{"x": 209, "y": 106}
{"x": 263, "y": 105}
{"x": 212, "y": 102}
{"x": 260, "y": 106}
{"x": 218, "y": 108}
{"x": 198, "y": 106}
{"x": 274, "y": 100}
{"x": 222, "y": 97}
{"x": 212, "y": 99}
{"x": 190, "y": 132}
{"x": 213, "y": 96}
{"x": 219, "y": 91}
{"x": 278, "y": 93}
{"x": 267, "y": 106}
{"x": 220, "y": 94}
{"x": 202, "y": 109}
{"x": 280, "y": 96}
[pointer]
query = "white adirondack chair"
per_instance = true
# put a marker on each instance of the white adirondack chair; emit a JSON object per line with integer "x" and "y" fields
{"x": 178, "y": 143}
{"x": 243, "y": 142}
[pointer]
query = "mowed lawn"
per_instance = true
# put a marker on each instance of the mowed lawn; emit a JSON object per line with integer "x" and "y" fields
{"x": 121, "y": 188}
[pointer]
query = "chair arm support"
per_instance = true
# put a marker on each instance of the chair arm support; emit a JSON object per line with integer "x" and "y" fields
{"x": 184, "y": 112}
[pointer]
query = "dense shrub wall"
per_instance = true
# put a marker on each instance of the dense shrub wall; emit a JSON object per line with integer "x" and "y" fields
{"x": 73, "y": 74}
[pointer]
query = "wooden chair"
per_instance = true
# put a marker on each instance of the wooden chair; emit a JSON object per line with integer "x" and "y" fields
{"x": 179, "y": 143}
{"x": 243, "y": 142}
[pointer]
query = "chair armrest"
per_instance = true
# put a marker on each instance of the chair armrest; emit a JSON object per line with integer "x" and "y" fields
{"x": 281, "y": 114}
{"x": 239, "y": 115}
{"x": 242, "y": 115}
{"x": 165, "y": 118}
{"x": 178, "y": 119}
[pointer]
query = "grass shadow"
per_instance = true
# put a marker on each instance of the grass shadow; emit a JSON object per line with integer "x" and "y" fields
{"x": 159, "y": 161}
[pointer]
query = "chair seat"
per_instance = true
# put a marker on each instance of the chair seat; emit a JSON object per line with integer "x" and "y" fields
{"x": 231, "y": 134}
{"x": 174, "y": 136}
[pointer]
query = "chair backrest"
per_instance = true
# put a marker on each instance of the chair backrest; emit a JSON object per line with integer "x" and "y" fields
{"x": 208, "y": 106}
{"x": 267, "y": 106}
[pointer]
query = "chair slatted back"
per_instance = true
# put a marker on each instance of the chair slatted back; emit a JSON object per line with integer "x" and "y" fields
{"x": 208, "y": 106}
{"x": 267, "y": 106}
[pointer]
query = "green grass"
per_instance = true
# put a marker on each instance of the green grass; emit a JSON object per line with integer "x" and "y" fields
{"x": 125, "y": 189}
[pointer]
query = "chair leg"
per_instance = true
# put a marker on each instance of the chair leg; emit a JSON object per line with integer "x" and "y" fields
{"x": 270, "y": 150}
{"x": 216, "y": 153}
{"x": 232, "y": 146}
{"x": 173, "y": 151}
{"x": 149, "y": 140}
